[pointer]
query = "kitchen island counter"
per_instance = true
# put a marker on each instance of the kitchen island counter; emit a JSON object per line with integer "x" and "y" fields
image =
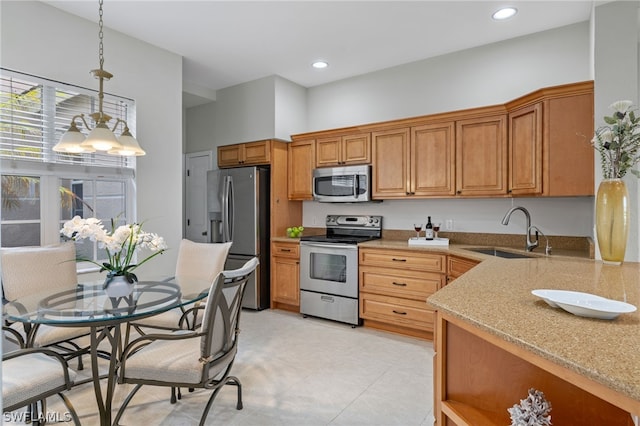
{"x": 494, "y": 300}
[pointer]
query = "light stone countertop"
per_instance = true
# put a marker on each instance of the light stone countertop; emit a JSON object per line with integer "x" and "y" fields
{"x": 495, "y": 296}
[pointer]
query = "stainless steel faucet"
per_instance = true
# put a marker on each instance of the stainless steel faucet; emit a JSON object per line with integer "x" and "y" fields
{"x": 505, "y": 221}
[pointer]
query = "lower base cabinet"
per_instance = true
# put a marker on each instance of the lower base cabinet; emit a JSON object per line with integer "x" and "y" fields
{"x": 285, "y": 276}
{"x": 394, "y": 286}
{"x": 478, "y": 376}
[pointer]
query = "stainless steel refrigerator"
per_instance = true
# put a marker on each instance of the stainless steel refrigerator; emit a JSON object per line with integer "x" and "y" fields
{"x": 238, "y": 205}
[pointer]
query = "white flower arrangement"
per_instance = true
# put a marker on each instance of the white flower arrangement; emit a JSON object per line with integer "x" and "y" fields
{"x": 120, "y": 245}
{"x": 532, "y": 411}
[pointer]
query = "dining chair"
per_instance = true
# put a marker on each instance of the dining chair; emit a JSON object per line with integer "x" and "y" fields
{"x": 193, "y": 358}
{"x": 30, "y": 376}
{"x": 28, "y": 270}
{"x": 196, "y": 261}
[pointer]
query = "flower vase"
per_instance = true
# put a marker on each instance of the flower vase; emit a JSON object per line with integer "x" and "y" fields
{"x": 117, "y": 286}
{"x": 612, "y": 220}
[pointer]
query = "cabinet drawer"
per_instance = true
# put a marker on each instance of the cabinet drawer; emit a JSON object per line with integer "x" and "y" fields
{"x": 285, "y": 250}
{"x": 400, "y": 283}
{"x": 408, "y": 313}
{"x": 403, "y": 259}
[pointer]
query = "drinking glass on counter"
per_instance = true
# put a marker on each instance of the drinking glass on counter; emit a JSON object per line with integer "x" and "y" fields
{"x": 418, "y": 228}
{"x": 436, "y": 228}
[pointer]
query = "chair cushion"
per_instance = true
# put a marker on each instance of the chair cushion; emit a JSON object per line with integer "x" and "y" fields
{"x": 28, "y": 376}
{"x": 201, "y": 261}
{"x": 26, "y": 270}
{"x": 48, "y": 335}
{"x": 169, "y": 361}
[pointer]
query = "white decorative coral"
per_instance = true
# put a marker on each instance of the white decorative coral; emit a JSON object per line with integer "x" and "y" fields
{"x": 533, "y": 411}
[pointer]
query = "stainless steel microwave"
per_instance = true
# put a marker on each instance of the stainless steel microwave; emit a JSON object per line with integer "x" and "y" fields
{"x": 350, "y": 184}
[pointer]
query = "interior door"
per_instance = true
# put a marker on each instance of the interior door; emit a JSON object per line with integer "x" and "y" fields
{"x": 196, "y": 216}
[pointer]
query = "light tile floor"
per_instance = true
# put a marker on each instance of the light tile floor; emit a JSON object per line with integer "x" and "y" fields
{"x": 297, "y": 371}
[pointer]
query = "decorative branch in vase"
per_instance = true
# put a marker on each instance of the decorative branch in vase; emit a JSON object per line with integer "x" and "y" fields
{"x": 618, "y": 143}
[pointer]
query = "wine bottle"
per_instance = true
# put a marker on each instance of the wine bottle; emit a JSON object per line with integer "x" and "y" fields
{"x": 429, "y": 229}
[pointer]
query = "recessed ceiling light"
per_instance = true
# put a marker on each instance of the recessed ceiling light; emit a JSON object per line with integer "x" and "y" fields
{"x": 320, "y": 64}
{"x": 504, "y": 13}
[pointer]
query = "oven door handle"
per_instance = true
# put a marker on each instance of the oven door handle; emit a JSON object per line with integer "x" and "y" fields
{"x": 331, "y": 246}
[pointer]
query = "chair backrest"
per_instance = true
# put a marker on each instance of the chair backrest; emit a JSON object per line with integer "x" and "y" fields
{"x": 26, "y": 270}
{"x": 222, "y": 312}
{"x": 201, "y": 261}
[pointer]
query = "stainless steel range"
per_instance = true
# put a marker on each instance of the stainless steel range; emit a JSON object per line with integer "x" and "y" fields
{"x": 329, "y": 267}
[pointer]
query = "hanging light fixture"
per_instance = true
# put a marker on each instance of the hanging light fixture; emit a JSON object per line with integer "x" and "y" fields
{"x": 100, "y": 138}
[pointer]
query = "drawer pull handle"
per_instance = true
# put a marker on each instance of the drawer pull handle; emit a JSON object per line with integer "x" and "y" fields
{"x": 286, "y": 250}
{"x": 399, "y": 312}
{"x": 398, "y": 260}
{"x": 400, "y": 284}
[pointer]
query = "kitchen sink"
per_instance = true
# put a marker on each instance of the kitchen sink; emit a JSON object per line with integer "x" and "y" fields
{"x": 492, "y": 251}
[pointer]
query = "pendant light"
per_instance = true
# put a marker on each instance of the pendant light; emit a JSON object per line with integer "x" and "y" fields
{"x": 100, "y": 138}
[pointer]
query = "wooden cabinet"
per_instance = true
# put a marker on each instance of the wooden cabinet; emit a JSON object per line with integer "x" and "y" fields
{"x": 481, "y": 156}
{"x": 456, "y": 266}
{"x": 394, "y": 286}
{"x": 285, "y": 276}
{"x": 244, "y": 154}
{"x": 343, "y": 150}
{"x": 520, "y": 148}
{"x": 390, "y": 157}
{"x": 549, "y": 130}
{"x": 525, "y": 150}
{"x": 414, "y": 162}
{"x": 478, "y": 376}
{"x": 300, "y": 169}
{"x": 433, "y": 159}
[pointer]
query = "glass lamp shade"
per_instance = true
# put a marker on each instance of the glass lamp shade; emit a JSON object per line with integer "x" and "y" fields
{"x": 129, "y": 146}
{"x": 71, "y": 142}
{"x": 101, "y": 139}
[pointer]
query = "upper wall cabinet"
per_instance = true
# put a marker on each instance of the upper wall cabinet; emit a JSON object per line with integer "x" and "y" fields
{"x": 414, "y": 162}
{"x": 343, "y": 150}
{"x": 302, "y": 155}
{"x": 536, "y": 145}
{"x": 481, "y": 156}
{"x": 550, "y": 152}
{"x": 244, "y": 154}
{"x": 525, "y": 150}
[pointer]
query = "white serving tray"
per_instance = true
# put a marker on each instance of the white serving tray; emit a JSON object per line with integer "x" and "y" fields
{"x": 422, "y": 242}
{"x": 584, "y": 304}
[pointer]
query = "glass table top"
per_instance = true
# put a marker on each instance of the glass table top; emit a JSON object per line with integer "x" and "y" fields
{"x": 89, "y": 303}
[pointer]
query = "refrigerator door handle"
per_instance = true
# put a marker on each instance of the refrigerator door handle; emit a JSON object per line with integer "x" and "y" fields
{"x": 227, "y": 209}
{"x": 232, "y": 207}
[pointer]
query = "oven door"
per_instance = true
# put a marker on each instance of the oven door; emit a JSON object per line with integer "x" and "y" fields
{"x": 329, "y": 268}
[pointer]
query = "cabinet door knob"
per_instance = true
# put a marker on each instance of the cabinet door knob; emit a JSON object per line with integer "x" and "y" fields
{"x": 458, "y": 192}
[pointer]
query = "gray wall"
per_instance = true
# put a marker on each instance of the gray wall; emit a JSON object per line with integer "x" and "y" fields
{"x": 481, "y": 76}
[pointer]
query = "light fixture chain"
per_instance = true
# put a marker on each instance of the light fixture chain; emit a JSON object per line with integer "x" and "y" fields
{"x": 100, "y": 36}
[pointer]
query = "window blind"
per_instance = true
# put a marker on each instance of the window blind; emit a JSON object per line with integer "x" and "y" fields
{"x": 35, "y": 113}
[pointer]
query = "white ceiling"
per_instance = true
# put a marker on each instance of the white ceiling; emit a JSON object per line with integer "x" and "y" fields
{"x": 225, "y": 43}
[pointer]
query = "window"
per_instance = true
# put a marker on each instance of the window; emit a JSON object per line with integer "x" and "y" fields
{"x": 41, "y": 189}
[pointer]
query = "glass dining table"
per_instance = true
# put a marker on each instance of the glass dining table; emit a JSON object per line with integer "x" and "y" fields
{"x": 89, "y": 305}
